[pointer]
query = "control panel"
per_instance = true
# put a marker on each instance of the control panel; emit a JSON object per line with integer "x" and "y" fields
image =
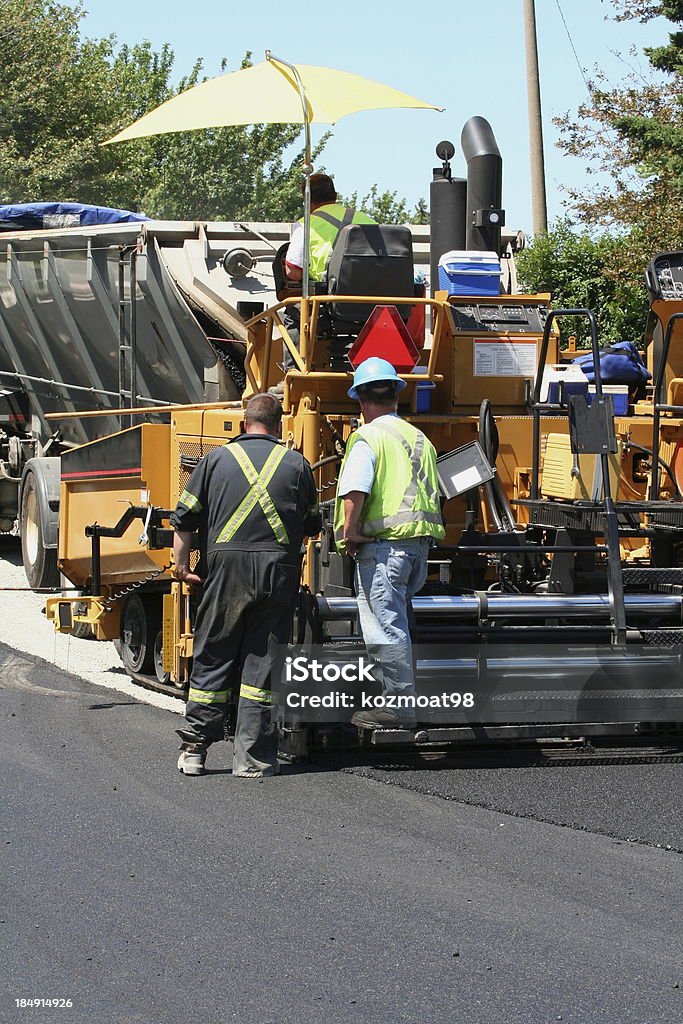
{"x": 507, "y": 318}
{"x": 664, "y": 277}
{"x": 495, "y": 348}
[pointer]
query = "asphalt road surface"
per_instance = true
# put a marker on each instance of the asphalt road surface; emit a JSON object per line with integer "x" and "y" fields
{"x": 501, "y": 895}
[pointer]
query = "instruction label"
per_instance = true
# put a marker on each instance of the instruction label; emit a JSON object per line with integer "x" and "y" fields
{"x": 499, "y": 357}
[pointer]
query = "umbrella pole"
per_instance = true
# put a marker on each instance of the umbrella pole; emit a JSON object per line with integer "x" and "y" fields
{"x": 305, "y": 289}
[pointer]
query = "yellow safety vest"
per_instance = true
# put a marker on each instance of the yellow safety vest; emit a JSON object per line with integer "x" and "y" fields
{"x": 257, "y": 495}
{"x": 404, "y": 500}
{"x": 326, "y": 223}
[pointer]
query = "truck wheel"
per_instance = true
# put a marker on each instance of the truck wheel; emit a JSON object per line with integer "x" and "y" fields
{"x": 82, "y": 631}
{"x": 162, "y": 676}
{"x": 40, "y": 563}
{"x": 79, "y": 630}
{"x": 140, "y": 624}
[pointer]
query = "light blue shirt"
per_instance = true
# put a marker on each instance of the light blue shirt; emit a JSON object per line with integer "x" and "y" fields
{"x": 359, "y": 468}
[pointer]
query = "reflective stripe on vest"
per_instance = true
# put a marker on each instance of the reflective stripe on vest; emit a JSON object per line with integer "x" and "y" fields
{"x": 207, "y": 696}
{"x": 325, "y": 228}
{"x": 349, "y": 214}
{"x": 403, "y": 516}
{"x": 190, "y": 502}
{"x": 405, "y": 512}
{"x": 257, "y": 495}
{"x": 254, "y": 693}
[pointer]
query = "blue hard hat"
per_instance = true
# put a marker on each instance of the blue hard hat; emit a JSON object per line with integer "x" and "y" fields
{"x": 375, "y": 371}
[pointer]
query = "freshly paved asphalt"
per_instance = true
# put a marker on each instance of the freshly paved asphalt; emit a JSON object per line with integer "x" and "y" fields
{"x": 323, "y": 896}
{"x": 634, "y": 802}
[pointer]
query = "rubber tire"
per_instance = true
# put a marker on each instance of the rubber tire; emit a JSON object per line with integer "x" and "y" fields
{"x": 141, "y": 616}
{"x": 163, "y": 677}
{"x": 79, "y": 630}
{"x": 40, "y": 563}
{"x": 82, "y": 631}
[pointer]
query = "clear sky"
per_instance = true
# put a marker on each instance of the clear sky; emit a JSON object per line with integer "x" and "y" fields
{"x": 465, "y": 56}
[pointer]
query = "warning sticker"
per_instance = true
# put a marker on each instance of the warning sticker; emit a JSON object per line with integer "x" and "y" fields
{"x": 502, "y": 358}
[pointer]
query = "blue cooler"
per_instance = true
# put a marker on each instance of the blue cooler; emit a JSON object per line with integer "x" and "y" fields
{"x": 424, "y": 392}
{"x": 619, "y": 393}
{"x": 469, "y": 273}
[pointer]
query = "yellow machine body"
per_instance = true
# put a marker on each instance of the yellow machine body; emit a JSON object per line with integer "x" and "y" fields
{"x": 480, "y": 348}
{"x": 575, "y": 477}
{"x": 106, "y": 476}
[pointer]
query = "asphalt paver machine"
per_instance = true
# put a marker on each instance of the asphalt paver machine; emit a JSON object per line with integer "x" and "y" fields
{"x": 556, "y": 596}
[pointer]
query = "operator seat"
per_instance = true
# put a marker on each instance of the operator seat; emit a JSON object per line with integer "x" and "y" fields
{"x": 369, "y": 259}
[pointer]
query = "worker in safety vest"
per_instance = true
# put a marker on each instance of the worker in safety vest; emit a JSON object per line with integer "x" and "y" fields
{"x": 328, "y": 217}
{"x": 387, "y": 514}
{"x": 253, "y": 501}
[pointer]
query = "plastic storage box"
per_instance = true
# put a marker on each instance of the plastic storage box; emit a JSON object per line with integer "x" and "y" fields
{"x": 619, "y": 393}
{"x": 562, "y": 380}
{"x": 469, "y": 273}
{"x": 424, "y": 389}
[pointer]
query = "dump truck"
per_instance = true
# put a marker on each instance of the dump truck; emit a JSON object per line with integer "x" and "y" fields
{"x": 553, "y": 607}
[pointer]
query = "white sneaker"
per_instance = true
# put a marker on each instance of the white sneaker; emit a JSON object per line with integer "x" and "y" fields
{"x": 192, "y": 759}
{"x": 255, "y": 773}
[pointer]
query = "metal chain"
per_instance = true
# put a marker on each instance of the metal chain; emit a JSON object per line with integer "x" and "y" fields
{"x": 136, "y": 586}
{"x": 326, "y": 487}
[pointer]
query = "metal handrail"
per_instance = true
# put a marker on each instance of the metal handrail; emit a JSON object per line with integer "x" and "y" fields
{"x": 659, "y": 406}
{"x": 304, "y": 358}
{"x": 615, "y": 581}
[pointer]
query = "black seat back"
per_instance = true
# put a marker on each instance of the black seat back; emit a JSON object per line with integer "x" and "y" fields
{"x": 369, "y": 259}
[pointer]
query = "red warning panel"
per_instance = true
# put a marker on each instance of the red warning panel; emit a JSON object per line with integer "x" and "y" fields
{"x": 385, "y": 335}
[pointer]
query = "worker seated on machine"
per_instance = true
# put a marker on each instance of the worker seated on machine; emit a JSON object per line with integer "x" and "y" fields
{"x": 328, "y": 217}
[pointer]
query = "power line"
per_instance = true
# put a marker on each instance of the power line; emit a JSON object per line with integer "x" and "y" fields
{"x": 571, "y": 43}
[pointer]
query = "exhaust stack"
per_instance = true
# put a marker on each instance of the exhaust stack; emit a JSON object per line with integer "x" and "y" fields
{"x": 447, "y": 211}
{"x": 485, "y": 217}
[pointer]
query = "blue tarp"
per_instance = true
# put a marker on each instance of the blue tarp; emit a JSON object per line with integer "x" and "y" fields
{"x": 27, "y": 216}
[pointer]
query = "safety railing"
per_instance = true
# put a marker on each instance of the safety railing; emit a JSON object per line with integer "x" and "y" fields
{"x": 659, "y": 406}
{"x": 601, "y": 447}
{"x": 305, "y": 356}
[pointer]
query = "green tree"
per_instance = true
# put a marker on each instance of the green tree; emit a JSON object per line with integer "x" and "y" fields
{"x": 633, "y": 135}
{"x": 47, "y": 117}
{"x": 61, "y": 96}
{"x": 388, "y": 207}
{"x": 577, "y": 269}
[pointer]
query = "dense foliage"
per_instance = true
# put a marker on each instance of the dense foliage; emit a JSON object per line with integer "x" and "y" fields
{"x": 61, "y": 96}
{"x": 389, "y": 208}
{"x": 578, "y": 271}
{"x": 631, "y": 138}
{"x": 634, "y": 133}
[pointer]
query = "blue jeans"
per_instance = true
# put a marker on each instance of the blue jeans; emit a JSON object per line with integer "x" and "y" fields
{"x": 388, "y": 575}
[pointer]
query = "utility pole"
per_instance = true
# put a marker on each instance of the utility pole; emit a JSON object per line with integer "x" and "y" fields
{"x": 538, "y": 199}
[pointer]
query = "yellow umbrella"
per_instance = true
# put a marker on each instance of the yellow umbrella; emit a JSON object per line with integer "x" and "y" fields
{"x": 274, "y": 92}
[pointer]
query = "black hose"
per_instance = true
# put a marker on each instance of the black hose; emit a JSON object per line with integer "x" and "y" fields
{"x": 490, "y": 442}
{"x": 487, "y": 443}
{"x": 667, "y": 467}
{"x": 326, "y": 461}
